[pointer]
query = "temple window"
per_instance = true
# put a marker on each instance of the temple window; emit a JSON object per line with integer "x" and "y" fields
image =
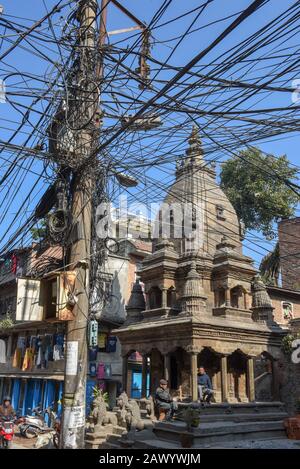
{"x": 220, "y": 297}
{"x": 236, "y": 297}
{"x": 171, "y": 297}
{"x": 287, "y": 310}
{"x": 220, "y": 212}
{"x": 155, "y": 298}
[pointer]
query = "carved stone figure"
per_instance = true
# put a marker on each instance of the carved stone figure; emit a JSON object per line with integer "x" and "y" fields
{"x": 134, "y": 417}
{"x": 100, "y": 415}
{"x": 150, "y": 408}
{"x": 261, "y": 302}
{"x": 129, "y": 414}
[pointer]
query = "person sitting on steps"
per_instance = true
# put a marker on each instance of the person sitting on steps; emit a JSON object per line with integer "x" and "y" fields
{"x": 205, "y": 390}
{"x": 164, "y": 400}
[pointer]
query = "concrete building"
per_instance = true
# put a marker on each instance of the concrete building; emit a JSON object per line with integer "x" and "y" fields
{"x": 31, "y": 364}
{"x": 108, "y": 304}
{"x": 32, "y": 367}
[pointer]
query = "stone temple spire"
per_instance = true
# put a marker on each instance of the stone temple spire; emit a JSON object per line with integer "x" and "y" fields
{"x": 261, "y": 302}
{"x": 136, "y": 303}
{"x": 193, "y": 159}
{"x": 193, "y": 155}
{"x": 193, "y": 298}
{"x": 195, "y": 151}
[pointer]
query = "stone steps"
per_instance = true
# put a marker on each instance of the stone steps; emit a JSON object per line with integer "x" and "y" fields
{"x": 238, "y": 418}
{"x": 215, "y": 432}
{"x": 220, "y": 424}
{"x": 108, "y": 433}
{"x": 241, "y": 408}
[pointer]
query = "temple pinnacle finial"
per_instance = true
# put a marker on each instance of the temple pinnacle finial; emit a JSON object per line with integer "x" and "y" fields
{"x": 195, "y": 137}
{"x": 195, "y": 144}
{"x": 193, "y": 159}
{"x": 193, "y": 270}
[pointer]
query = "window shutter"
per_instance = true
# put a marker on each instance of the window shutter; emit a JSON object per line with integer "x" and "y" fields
{"x": 29, "y": 305}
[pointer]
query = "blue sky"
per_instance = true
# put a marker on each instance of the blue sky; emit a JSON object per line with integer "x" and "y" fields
{"x": 144, "y": 10}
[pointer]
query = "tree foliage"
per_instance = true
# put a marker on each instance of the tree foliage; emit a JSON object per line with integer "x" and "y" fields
{"x": 270, "y": 267}
{"x": 39, "y": 232}
{"x": 256, "y": 185}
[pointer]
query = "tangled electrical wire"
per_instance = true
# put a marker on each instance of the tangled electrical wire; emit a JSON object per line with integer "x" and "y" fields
{"x": 235, "y": 85}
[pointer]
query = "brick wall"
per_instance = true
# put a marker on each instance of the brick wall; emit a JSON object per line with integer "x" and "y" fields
{"x": 278, "y": 311}
{"x": 289, "y": 243}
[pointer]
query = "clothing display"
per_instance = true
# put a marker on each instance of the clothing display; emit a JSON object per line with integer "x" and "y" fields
{"x": 38, "y": 350}
{"x": 93, "y": 369}
{"x": 9, "y": 347}
{"x": 21, "y": 344}
{"x": 17, "y": 359}
{"x": 111, "y": 344}
{"x": 14, "y": 263}
{"x": 57, "y": 353}
{"x": 101, "y": 341}
{"x": 93, "y": 354}
{"x": 107, "y": 371}
{"x": 28, "y": 359}
{"x": 101, "y": 371}
{"x": 2, "y": 351}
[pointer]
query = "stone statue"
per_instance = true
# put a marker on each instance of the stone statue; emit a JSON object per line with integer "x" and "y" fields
{"x": 135, "y": 420}
{"x": 128, "y": 413}
{"x": 100, "y": 415}
{"x": 261, "y": 302}
{"x": 150, "y": 408}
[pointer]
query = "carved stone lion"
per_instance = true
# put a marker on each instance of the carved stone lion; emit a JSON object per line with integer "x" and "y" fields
{"x": 100, "y": 415}
{"x": 128, "y": 413}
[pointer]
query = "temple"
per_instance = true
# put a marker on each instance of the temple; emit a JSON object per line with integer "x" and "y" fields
{"x": 200, "y": 300}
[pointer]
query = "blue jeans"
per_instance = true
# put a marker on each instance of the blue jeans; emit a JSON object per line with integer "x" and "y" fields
{"x": 204, "y": 392}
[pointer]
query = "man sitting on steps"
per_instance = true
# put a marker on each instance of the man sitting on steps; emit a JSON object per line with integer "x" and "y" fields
{"x": 164, "y": 400}
{"x": 205, "y": 390}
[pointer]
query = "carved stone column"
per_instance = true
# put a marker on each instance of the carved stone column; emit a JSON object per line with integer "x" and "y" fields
{"x": 167, "y": 367}
{"x": 125, "y": 372}
{"x": 194, "y": 387}
{"x": 250, "y": 379}
{"x": 144, "y": 375}
{"x": 227, "y": 297}
{"x": 224, "y": 382}
{"x": 245, "y": 300}
{"x": 164, "y": 297}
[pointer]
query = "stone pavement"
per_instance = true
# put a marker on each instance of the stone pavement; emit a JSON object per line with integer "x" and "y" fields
{"x": 276, "y": 443}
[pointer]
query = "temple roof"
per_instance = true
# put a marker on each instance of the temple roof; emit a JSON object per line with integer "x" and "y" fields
{"x": 196, "y": 189}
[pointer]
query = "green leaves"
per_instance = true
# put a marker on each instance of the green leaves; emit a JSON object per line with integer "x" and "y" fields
{"x": 257, "y": 186}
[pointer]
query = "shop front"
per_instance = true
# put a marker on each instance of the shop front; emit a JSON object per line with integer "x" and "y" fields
{"x": 29, "y": 393}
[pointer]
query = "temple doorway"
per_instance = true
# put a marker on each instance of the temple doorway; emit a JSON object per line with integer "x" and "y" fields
{"x": 210, "y": 360}
{"x": 263, "y": 378}
{"x": 237, "y": 377}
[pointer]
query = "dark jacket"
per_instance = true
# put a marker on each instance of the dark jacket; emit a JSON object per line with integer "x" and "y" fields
{"x": 6, "y": 411}
{"x": 162, "y": 395}
{"x": 204, "y": 380}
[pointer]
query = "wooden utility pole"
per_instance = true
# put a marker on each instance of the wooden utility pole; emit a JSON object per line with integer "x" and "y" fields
{"x": 86, "y": 105}
{"x": 83, "y": 117}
